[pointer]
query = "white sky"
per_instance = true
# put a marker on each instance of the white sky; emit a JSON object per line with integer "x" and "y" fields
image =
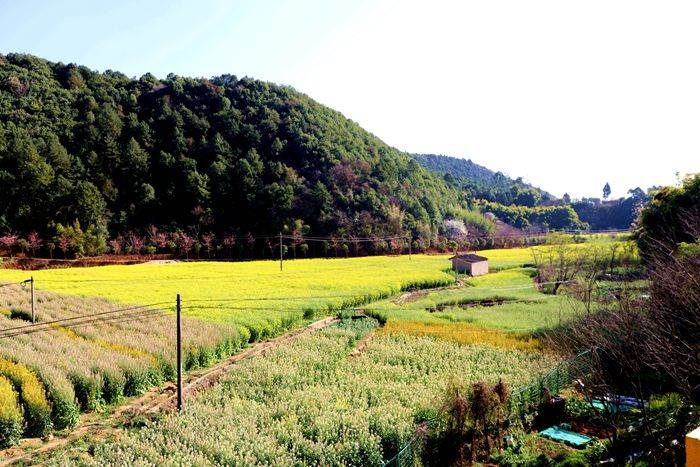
{"x": 566, "y": 94}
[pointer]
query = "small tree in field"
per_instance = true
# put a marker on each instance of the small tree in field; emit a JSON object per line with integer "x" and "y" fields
{"x": 136, "y": 243}
{"x": 229, "y": 242}
{"x": 557, "y": 263}
{"x": 185, "y": 244}
{"x": 250, "y": 240}
{"x": 116, "y": 245}
{"x": 34, "y": 241}
{"x": 208, "y": 240}
{"x": 9, "y": 242}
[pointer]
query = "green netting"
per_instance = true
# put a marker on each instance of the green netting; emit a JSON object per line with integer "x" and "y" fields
{"x": 562, "y": 376}
{"x": 409, "y": 455}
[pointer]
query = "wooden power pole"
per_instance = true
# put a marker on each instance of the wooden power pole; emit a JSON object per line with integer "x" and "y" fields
{"x": 280, "y": 251}
{"x": 409, "y": 247}
{"x": 179, "y": 353}
{"x": 31, "y": 287}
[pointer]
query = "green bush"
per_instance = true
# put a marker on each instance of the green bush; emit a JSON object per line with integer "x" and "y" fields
{"x": 33, "y": 397}
{"x": 141, "y": 379}
{"x": 578, "y": 408}
{"x": 61, "y": 395}
{"x": 10, "y": 415}
{"x": 64, "y": 411}
{"x": 575, "y": 459}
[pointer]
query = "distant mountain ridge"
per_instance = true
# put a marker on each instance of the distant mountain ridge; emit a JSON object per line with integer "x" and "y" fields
{"x": 480, "y": 181}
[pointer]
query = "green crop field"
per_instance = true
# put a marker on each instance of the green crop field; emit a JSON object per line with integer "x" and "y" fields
{"x": 519, "y": 306}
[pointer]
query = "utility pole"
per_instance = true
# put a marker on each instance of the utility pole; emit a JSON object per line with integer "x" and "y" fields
{"x": 280, "y": 251}
{"x": 409, "y": 247}
{"x": 179, "y": 353}
{"x": 31, "y": 284}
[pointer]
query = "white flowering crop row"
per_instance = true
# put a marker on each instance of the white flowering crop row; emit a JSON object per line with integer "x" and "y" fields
{"x": 309, "y": 402}
{"x": 83, "y": 367}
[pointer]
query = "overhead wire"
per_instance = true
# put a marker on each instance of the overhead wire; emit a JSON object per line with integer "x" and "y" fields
{"x": 144, "y": 314}
{"x": 75, "y": 318}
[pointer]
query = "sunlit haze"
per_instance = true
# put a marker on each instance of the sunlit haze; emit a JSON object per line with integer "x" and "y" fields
{"x": 567, "y": 95}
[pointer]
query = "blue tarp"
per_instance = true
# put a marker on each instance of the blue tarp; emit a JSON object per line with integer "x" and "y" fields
{"x": 562, "y": 434}
{"x": 617, "y": 403}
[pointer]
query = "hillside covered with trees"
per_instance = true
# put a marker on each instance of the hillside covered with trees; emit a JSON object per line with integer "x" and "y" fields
{"x": 225, "y": 155}
{"x": 93, "y": 162}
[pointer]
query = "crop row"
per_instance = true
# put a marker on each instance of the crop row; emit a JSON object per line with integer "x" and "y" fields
{"x": 309, "y": 402}
{"x": 63, "y": 370}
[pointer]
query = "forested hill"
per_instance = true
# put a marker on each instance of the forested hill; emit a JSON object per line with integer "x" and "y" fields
{"x": 225, "y": 155}
{"x": 481, "y": 182}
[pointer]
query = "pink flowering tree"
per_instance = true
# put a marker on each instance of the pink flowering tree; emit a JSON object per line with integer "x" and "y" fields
{"x": 161, "y": 240}
{"x": 208, "y": 240}
{"x": 136, "y": 243}
{"x": 250, "y": 240}
{"x": 116, "y": 245}
{"x": 34, "y": 242}
{"x": 229, "y": 242}
{"x": 9, "y": 242}
{"x": 185, "y": 243}
{"x": 65, "y": 241}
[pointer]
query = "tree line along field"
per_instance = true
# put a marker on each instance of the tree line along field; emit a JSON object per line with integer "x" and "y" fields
{"x": 89, "y": 366}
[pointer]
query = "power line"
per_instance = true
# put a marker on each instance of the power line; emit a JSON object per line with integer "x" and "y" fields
{"x": 244, "y": 299}
{"x": 86, "y": 322}
{"x": 74, "y": 318}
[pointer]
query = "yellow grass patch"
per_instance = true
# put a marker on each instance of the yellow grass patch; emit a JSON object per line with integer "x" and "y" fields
{"x": 462, "y": 333}
{"x": 130, "y": 351}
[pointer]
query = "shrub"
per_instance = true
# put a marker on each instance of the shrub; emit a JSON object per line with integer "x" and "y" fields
{"x": 113, "y": 384}
{"x": 141, "y": 379}
{"x": 64, "y": 411}
{"x": 33, "y": 396}
{"x": 10, "y": 415}
{"x": 20, "y": 314}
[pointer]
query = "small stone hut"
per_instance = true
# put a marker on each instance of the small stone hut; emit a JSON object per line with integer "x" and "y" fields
{"x": 469, "y": 263}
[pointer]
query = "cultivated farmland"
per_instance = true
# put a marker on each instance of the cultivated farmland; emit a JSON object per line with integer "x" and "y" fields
{"x": 479, "y": 330}
{"x": 310, "y": 402}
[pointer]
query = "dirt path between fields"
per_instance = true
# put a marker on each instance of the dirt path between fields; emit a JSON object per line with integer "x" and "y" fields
{"x": 158, "y": 399}
{"x": 362, "y": 344}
